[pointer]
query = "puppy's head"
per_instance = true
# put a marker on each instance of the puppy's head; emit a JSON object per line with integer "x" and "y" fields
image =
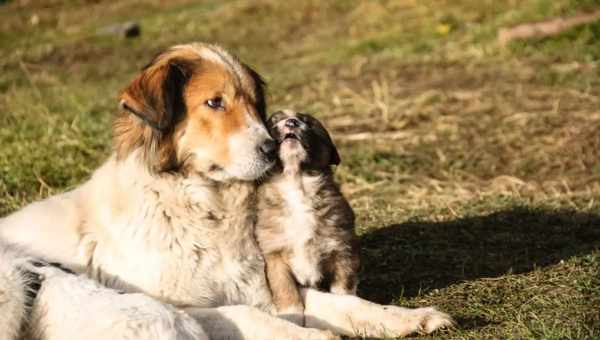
{"x": 196, "y": 109}
{"x": 303, "y": 141}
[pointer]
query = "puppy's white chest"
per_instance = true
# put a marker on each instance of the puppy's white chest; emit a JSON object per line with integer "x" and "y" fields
{"x": 300, "y": 228}
{"x": 300, "y": 218}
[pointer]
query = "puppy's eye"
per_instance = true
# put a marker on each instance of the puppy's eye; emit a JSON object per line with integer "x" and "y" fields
{"x": 215, "y": 103}
{"x": 305, "y": 120}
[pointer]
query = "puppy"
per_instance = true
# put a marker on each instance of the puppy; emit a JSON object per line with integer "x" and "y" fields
{"x": 305, "y": 227}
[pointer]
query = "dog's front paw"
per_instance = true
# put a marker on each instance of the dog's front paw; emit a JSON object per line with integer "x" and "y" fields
{"x": 298, "y": 319}
{"x": 395, "y": 321}
{"x": 430, "y": 319}
{"x": 293, "y": 314}
{"x": 322, "y": 335}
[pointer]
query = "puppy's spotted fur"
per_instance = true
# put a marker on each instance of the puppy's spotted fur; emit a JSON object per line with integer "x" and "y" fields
{"x": 305, "y": 226}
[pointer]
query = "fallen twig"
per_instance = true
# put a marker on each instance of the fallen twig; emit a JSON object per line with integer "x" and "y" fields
{"x": 544, "y": 28}
{"x": 362, "y": 136}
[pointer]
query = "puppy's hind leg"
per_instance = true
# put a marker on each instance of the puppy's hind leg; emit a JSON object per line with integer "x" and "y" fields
{"x": 344, "y": 268}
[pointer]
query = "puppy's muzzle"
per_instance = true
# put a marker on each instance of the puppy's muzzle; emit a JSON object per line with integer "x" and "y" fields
{"x": 292, "y": 123}
{"x": 291, "y": 128}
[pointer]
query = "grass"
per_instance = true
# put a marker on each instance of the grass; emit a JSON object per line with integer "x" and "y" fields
{"x": 485, "y": 204}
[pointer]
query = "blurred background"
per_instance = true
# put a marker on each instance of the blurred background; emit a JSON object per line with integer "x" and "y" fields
{"x": 469, "y": 132}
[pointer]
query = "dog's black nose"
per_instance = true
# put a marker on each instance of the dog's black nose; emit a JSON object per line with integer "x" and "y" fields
{"x": 292, "y": 123}
{"x": 268, "y": 148}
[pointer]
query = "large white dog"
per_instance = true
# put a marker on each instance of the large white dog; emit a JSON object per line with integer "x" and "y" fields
{"x": 161, "y": 236}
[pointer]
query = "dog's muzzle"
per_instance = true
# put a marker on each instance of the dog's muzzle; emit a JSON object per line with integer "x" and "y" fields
{"x": 268, "y": 149}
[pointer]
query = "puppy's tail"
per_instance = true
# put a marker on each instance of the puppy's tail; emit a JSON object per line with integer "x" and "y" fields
{"x": 18, "y": 287}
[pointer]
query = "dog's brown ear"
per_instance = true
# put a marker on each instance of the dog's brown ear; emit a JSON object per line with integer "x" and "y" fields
{"x": 150, "y": 108}
{"x": 259, "y": 91}
{"x": 156, "y": 95}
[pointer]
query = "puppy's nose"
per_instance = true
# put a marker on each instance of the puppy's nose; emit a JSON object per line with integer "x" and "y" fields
{"x": 268, "y": 148}
{"x": 292, "y": 123}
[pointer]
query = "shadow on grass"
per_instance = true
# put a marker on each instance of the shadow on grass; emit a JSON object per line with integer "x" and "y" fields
{"x": 408, "y": 258}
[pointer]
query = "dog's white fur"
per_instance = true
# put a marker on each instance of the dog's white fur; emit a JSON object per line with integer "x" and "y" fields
{"x": 74, "y": 307}
{"x": 172, "y": 239}
{"x": 13, "y": 288}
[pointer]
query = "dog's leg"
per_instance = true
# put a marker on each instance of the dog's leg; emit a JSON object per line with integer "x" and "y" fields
{"x": 248, "y": 323}
{"x": 17, "y": 290}
{"x": 74, "y": 307}
{"x": 48, "y": 229}
{"x": 353, "y": 316}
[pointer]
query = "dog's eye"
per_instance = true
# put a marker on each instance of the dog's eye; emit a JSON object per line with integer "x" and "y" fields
{"x": 215, "y": 103}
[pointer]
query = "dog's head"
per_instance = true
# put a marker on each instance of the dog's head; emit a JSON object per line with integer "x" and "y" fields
{"x": 303, "y": 141}
{"x": 196, "y": 109}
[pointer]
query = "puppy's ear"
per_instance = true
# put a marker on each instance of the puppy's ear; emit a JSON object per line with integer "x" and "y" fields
{"x": 156, "y": 95}
{"x": 332, "y": 157}
{"x": 150, "y": 108}
{"x": 335, "y": 156}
